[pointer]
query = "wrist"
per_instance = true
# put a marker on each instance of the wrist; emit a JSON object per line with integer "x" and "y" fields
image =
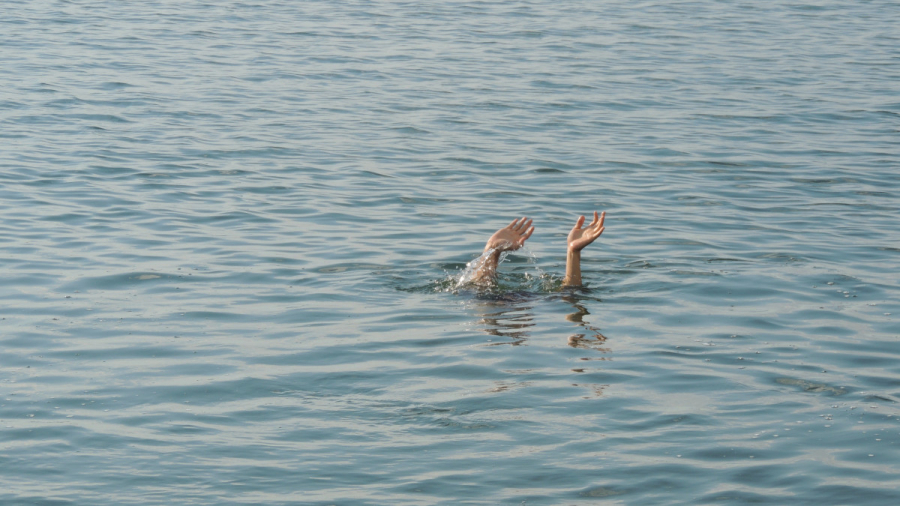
{"x": 495, "y": 252}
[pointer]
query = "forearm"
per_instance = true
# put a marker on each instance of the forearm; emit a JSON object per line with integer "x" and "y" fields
{"x": 573, "y": 268}
{"x": 488, "y": 268}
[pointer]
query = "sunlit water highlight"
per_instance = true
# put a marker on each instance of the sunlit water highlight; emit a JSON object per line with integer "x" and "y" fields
{"x": 232, "y": 237}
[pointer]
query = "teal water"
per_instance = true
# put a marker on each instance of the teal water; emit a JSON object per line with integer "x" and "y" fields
{"x": 230, "y": 234}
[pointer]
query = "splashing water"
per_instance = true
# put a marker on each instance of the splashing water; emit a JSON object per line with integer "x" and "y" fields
{"x": 519, "y": 279}
{"x": 533, "y": 259}
{"x": 473, "y": 267}
{"x": 535, "y": 280}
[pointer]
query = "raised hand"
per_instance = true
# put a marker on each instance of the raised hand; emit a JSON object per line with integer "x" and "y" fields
{"x": 578, "y": 239}
{"x": 511, "y": 237}
{"x": 581, "y": 237}
{"x": 508, "y": 238}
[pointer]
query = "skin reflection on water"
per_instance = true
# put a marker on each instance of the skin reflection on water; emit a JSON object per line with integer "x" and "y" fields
{"x": 505, "y": 318}
{"x": 592, "y": 339}
{"x": 511, "y": 318}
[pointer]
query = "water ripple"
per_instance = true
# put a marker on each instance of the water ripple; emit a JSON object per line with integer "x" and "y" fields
{"x": 232, "y": 235}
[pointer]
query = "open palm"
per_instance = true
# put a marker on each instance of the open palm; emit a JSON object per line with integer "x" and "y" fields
{"x": 581, "y": 237}
{"x": 512, "y": 236}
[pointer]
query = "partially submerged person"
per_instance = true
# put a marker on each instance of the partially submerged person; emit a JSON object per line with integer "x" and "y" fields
{"x": 514, "y": 235}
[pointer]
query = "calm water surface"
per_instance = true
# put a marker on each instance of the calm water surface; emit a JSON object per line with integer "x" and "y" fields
{"x": 229, "y": 235}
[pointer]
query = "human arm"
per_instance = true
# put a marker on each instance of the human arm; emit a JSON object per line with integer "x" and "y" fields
{"x": 578, "y": 239}
{"x": 508, "y": 238}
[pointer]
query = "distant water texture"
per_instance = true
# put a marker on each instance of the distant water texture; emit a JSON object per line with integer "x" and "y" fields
{"x": 232, "y": 234}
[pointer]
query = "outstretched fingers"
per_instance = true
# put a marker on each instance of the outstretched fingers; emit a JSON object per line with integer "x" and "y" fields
{"x": 524, "y": 225}
{"x": 519, "y": 225}
{"x": 526, "y": 235}
{"x": 598, "y": 221}
{"x": 597, "y": 227}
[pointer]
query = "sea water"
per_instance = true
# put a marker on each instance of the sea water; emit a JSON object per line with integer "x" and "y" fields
{"x": 232, "y": 234}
